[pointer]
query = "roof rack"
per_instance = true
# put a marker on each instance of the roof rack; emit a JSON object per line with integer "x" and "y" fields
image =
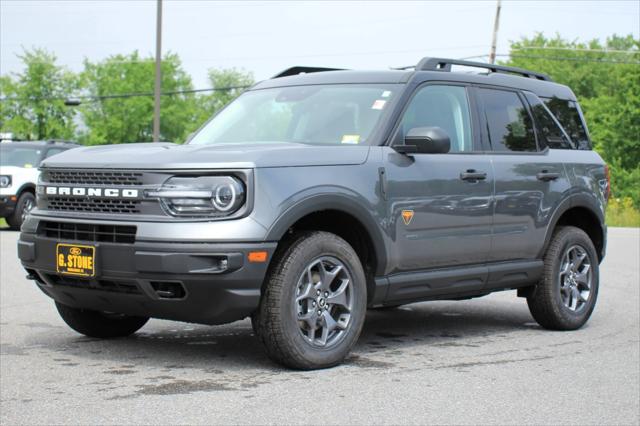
{"x": 442, "y": 64}
{"x": 304, "y": 70}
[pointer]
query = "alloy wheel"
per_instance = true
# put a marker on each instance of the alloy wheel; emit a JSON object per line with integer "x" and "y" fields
{"x": 575, "y": 278}
{"x": 323, "y": 301}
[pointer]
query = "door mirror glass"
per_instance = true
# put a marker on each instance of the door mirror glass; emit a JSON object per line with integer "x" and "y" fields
{"x": 426, "y": 140}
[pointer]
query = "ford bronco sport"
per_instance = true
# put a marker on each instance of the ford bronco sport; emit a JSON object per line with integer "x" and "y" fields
{"x": 319, "y": 193}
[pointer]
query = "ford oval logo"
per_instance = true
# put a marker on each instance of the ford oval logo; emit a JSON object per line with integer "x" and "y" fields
{"x": 75, "y": 251}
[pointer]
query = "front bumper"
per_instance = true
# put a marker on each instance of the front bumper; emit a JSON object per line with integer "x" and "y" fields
{"x": 7, "y": 205}
{"x": 160, "y": 279}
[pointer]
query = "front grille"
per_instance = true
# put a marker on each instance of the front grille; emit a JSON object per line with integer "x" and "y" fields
{"x": 115, "y": 286}
{"x": 88, "y": 177}
{"x": 70, "y": 203}
{"x": 96, "y": 205}
{"x": 88, "y": 232}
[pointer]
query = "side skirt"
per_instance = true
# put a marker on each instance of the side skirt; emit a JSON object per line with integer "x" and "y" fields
{"x": 457, "y": 283}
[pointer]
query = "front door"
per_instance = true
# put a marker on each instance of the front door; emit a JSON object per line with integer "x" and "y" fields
{"x": 439, "y": 205}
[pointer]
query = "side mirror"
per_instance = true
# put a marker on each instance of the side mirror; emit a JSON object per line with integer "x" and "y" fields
{"x": 425, "y": 140}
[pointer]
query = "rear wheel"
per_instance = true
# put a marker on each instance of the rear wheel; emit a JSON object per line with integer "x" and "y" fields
{"x": 314, "y": 303}
{"x": 26, "y": 202}
{"x": 102, "y": 325}
{"x": 566, "y": 296}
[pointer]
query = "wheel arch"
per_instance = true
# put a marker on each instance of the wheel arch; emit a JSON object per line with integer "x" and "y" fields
{"x": 346, "y": 218}
{"x": 581, "y": 211}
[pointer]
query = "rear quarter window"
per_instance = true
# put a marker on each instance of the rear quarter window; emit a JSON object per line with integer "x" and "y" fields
{"x": 569, "y": 116}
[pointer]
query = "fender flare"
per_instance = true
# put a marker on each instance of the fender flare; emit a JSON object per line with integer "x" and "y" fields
{"x": 586, "y": 201}
{"x": 342, "y": 203}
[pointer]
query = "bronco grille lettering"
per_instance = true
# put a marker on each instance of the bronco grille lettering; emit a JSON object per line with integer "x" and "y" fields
{"x": 92, "y": 192}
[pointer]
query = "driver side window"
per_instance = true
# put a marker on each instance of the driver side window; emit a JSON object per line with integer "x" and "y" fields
{"x": 446, "y": 107}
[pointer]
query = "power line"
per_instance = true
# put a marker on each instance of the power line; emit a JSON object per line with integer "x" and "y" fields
{"x": 126, "y": 95}
{"x": 552, "y": 58}
{"x": 605, "y": 50}
{"x": 555, "y": 58}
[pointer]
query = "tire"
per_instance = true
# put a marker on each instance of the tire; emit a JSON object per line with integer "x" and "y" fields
{"x": 558, "y": 301}
{"x": 287, "y": 321}
{"x": 25, "y": 203}
{"x": 99, "y": 324}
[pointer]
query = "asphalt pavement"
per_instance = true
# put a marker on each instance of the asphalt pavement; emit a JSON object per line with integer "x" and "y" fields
{"x": 470, "y": 362}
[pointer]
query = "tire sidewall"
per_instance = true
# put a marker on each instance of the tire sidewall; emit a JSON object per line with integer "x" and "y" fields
{"x": 317, "y": 247}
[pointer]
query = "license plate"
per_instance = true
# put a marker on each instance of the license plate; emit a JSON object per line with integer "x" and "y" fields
{"x": 74, "y": 259}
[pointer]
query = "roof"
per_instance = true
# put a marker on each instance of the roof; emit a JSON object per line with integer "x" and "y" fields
{"x": 428, "y": 69}
{"x": 37, "y": 144}
{"x": 337, "y": 77}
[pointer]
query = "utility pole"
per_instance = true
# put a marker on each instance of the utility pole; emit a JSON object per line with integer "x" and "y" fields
{"x": 494, "y": 40}
{"x": 156, "y": 97}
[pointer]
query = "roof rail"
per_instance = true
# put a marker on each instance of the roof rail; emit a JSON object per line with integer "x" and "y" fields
{"x": 304, "y": 70}
{"x": 442, "y": 64}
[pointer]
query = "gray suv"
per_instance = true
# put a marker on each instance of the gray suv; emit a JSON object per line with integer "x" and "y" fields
{"x": 320, "y": 193}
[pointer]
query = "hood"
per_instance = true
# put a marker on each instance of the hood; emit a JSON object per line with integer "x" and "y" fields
{"x": 20, "y": 175}
{"x": 173, "y": 156}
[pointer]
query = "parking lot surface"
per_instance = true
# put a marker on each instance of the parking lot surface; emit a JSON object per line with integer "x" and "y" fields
{"x": 478, "y": 361}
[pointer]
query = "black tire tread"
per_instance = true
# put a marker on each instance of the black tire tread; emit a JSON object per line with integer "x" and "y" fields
{"x": 268, "y": 319}
{"x": 95, "y": 324}
{"x": 543, "y": 302}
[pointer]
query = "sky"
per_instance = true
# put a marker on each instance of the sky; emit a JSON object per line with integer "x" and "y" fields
{"x": 267, "y": 37}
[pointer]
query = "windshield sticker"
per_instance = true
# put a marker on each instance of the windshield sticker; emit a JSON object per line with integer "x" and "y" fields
{"x": 28, "y": 166}
{"x": 378, "y": 104}
{"x": 386, "y": 94}
{"x": 351, "y": 139}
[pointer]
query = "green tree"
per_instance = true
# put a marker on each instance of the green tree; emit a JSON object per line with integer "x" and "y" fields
{"x": 32, "y": 105}
{"x": 229, "y": 84}
{"x": 122, "y": 109}
{"x": 606, "y": 79}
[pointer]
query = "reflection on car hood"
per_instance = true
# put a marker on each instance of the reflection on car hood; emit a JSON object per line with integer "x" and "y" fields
{"x": 173, "y": 156}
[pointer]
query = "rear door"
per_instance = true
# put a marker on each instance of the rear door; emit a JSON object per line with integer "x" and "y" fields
{"x": 530, "y": 178}
{"x": 440, "y": 205}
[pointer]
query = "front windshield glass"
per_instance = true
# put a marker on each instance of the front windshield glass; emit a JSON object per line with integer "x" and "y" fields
{"x": 19, "y": 156}
{"x": 319, "y": 114}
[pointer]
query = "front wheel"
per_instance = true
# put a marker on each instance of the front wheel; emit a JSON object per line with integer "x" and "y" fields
{"x": 314, "y": 302}
{"x": 24, "y": 205}
{"x": 102, "y": 325}
{"x": 566, "y": 295}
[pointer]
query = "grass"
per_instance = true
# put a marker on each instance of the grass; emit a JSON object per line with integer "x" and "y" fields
{"x": 3, "y": 223}
{"x": 621, "y": 212}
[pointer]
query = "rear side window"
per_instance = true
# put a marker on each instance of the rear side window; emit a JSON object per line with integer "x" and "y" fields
{"x": 568, "y": 114}
{"x": 508, "y": 121}
{"x": 550, "y": 133}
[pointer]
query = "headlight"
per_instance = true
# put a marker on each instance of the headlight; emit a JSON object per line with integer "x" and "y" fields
{"x": 206, "y": 196}
{"x": 5, "y": 181}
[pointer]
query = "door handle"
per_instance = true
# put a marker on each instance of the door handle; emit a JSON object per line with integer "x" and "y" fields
{"x": 473, "y": 175}
{"x": 546, "y": 176}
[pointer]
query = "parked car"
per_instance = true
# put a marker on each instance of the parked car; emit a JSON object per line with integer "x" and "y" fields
{"x": 320, "y": 193}
{"x": 19, "y": 162}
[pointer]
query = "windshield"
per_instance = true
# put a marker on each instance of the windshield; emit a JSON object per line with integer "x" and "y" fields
{"x": 319, "y": 114}
{"x": 20, "y": 156}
